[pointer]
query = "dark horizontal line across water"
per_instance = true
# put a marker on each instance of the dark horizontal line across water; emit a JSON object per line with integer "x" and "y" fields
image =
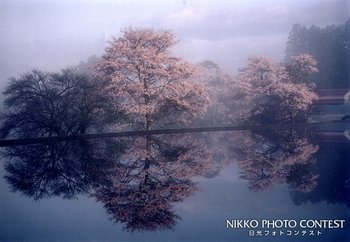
{"x": 38, "y": 140}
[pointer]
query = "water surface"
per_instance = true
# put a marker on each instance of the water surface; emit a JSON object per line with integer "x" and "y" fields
{"x": 174, "y": 187}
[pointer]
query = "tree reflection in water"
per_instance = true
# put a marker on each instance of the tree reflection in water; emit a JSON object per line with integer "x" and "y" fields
{"x": 269, "y": 157}
{"x": 62, "y": 168}
{"x": 334, "y": 183}
{"x": 154, "y": 173}
{"x": 138, "y": 179}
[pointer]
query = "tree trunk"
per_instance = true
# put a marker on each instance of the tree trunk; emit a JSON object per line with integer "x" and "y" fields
{"x": 148, "y": 155}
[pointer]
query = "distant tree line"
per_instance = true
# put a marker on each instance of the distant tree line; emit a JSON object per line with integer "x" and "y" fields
{"x": 330, "y": 46}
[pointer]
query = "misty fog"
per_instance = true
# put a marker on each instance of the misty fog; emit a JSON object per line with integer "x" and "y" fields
{"x": 51, "y": 35}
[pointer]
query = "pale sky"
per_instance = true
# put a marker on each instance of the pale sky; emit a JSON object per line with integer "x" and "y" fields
{"x": 54, "y": 34}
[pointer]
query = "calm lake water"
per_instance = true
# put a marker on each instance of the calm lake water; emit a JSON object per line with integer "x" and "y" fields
{"x": 177, "y": 187}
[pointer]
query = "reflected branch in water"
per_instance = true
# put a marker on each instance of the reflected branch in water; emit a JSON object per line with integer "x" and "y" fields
{"x": 334, "y": 176}
{"x": 301, "y": 179}
{"x": 63, "y": 169}
{"x": 275, "y": 157}
{"x": 154, "y": 173}
{"x": 138, "y": 179}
